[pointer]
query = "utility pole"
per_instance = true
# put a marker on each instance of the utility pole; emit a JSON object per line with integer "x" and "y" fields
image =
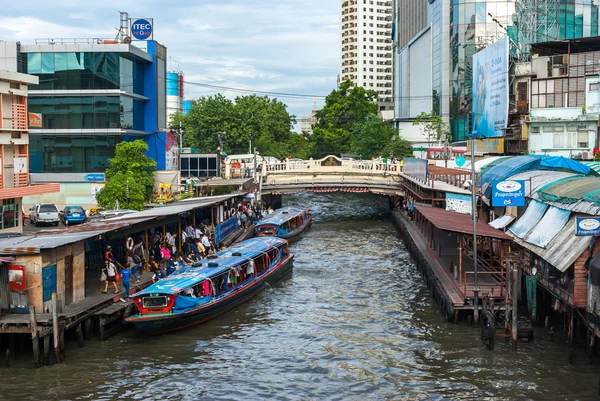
{"x": 474, "y": 215}
{"x": 180, "y": 145}
{"x": 515, "y": 300}
{"x": 255, "y": 176}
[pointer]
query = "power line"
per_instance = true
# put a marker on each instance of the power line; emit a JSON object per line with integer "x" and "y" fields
{"x": 300, "y": 95}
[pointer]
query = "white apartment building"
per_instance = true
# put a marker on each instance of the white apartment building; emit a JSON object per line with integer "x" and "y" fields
{"x": 367, "y": 47}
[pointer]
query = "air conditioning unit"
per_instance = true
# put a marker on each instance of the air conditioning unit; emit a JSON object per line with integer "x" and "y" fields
{"x": 586, "y": 156}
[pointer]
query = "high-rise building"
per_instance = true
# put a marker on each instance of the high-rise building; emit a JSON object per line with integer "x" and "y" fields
{"x": 367, "y": 47}
{"x": 433, "y": 69}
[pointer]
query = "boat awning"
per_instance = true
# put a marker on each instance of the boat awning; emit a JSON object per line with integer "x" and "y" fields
{"x": 563, "y": 250}
{"x": 458, "y": 222}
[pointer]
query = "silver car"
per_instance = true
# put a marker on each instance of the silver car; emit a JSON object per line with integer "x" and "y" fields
{"x": 44, "y": 213}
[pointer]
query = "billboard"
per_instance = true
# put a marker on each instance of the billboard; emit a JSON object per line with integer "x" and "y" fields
{"x": 416, "y": 168}
{"x": 508, "y": 193}
{"x": 487, "y": 146}
{"x": 141, "y": 28}
{"x": 171, "y": 151}
{"x": 459, "y": 203}
{"x": 35, "y": 120}
{"x": 490, "y": 90}
{"x": 587, "y": 226}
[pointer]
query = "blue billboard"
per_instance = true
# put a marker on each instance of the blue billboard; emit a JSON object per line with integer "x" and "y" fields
{"x": 225, "y": 228}
{"x": 141, "y": 28}
{"x": 508, "y": 193}
{"x": 416, "y": 168}
{"x": 490, "y": 90}
{"x": 587, "y": 226}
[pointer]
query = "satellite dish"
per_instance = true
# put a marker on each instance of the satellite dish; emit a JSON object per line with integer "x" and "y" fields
{"x": 127, "y": 40}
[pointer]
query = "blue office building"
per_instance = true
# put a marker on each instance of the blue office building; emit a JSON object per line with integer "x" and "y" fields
{"x": 90, "y": 97}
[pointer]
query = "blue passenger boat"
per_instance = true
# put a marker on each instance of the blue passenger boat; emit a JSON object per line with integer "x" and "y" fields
{"x": 287, "y": 223}
{"x": 213, "y": 286}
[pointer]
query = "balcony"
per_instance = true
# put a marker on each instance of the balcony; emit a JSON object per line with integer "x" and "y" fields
{"x": 19, "y": 117}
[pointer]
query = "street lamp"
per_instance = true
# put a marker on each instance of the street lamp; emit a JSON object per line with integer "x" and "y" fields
{"x": 474, "y": 216}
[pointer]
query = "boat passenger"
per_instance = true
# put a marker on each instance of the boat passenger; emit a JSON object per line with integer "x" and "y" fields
{"x": 250, "y": 269}
{"x": 192, "y": 256}
{"x": 181, "y": 262}
{"x": 233, "y": 276}
{"x": 188, "y": 292}
{"x": 171, "y": 267}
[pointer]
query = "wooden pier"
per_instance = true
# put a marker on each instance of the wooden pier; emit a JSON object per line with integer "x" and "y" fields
{"x": 96, "y": 315}
{"x": 440, "y": 248}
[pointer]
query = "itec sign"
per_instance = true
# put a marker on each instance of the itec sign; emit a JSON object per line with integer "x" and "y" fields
{"x": 141, "y": 28}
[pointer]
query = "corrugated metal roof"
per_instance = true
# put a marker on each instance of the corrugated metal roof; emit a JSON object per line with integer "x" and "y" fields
{"x": 225, "y": 182}
{"x": 564, "y": 248}
{"x": 536, "y": 179}
{"x": 49, "y": 239}
{"x": 458, "y": 222}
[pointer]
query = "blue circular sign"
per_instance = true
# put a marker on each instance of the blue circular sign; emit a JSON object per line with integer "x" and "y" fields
{"x": 460, "y": 161}
{"x": 141, "y": 29}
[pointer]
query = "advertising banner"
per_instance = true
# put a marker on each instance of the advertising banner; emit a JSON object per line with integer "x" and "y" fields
{"x": 508, "y": 193}
{"x": 587, "y": 226}
{"x": 35, "y": 120}
{"x": 487, "y": 146}
{"x": 225, "y": 228}
{"x": 458, "y": 203}
{"x": 172, "y": 151}
{"x": 416, "y": 168}
{"x": 490, "y": 90}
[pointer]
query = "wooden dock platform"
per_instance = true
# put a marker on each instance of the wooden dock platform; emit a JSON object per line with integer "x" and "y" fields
{"x": 452, "y": 294}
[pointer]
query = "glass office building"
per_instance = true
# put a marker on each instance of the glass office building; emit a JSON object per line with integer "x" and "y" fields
{"x": 89, "y": 98}
{"x": 461, "y": 28}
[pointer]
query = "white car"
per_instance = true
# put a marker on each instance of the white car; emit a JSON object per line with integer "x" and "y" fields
{"x": 298, "y": 164}
{"x": 44, "y": 214}
{"x": 271, "y": 159}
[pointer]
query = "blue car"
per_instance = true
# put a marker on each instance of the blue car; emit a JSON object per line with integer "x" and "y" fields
{"x": 73, "y": 215}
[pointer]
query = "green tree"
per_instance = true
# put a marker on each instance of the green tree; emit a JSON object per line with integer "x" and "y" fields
{"x": 130, "y": 177}
{"x": 369, "y": 137}
{"x": 433, "y": 126}
{"x": 256, "y": 121}
{"x": 345, "y": 108}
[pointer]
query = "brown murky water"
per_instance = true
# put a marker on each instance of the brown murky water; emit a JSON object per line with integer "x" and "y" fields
{"x": 354, "y": 322}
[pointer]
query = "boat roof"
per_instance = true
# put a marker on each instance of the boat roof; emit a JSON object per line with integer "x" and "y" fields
{"x": 282, "y": 215}
{"x": 225, "y": 260}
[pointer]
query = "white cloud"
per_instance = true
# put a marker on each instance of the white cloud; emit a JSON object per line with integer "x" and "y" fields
{"x": 290, "y": 46}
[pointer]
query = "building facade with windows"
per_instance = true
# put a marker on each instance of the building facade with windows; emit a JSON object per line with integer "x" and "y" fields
{"x": 458, "y": 30}
{"x": 91, "y": 95}
{"x": 367, "y": 47}
{"x": 14, "y": 144}
{"x": 559, "y": 97}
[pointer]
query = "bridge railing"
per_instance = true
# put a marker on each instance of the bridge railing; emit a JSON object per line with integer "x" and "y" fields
{"x": 331, "y": 164}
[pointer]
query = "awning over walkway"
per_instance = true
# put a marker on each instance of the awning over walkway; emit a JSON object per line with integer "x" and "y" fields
{"x": 458, "y": 222}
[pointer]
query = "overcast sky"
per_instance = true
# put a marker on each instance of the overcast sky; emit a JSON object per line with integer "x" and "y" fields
{"x": 290, "y": 46}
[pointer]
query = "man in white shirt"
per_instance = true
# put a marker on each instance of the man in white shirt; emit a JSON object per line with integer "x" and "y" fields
{"x": 197, "y": 233}
{"x": 205, "y": 241}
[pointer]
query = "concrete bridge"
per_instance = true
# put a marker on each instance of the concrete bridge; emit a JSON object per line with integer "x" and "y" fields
{"x": 326, "y": 175}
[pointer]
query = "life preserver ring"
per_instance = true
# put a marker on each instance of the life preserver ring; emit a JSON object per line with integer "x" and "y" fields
{"x": 130, "y": 243}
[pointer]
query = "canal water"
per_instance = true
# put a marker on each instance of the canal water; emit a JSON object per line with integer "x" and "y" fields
{"x": 354, "y": 322}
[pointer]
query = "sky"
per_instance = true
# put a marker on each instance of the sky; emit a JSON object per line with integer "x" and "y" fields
{"x": 286, "y": 46}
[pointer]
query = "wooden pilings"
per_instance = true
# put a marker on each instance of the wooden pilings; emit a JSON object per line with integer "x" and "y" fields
{"x": 55, "y": 328}
{"x": 35, "y": 340}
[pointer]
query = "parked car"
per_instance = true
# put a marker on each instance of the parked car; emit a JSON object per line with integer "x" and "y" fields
{"x": 271, "y": 159}
{"x": 73, "y": 215}
{"x": 298, "y": 163}
{"x": 46, "y": 213}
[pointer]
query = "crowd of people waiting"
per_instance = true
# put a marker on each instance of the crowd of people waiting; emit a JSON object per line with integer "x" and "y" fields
{"x": 198, "y": 242}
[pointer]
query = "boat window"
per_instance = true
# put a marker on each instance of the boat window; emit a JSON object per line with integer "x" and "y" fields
{"x": 154, "y": 302}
